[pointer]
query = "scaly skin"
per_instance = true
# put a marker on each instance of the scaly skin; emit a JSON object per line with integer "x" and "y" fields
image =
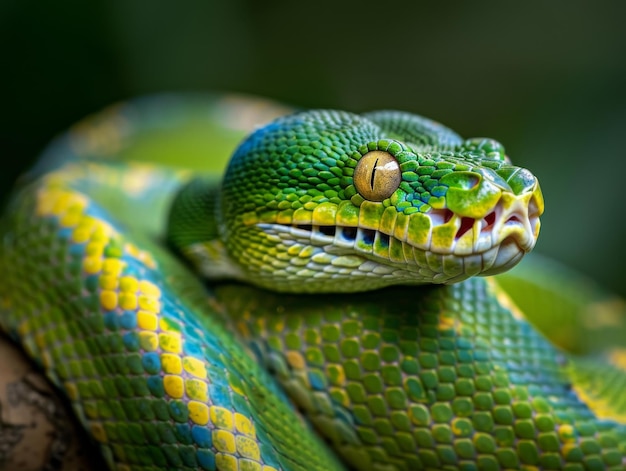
{"x": 152, "y": 372}
{"x": 297, "y": 211}
{"x": 408, "y": 377}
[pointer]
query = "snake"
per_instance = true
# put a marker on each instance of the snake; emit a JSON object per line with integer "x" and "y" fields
{"x": 336, "y": 295}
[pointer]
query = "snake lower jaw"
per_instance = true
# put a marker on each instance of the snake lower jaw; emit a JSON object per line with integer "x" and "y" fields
{"x": 509, "y": 254}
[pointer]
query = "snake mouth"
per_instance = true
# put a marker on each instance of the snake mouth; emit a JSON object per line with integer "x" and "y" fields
{"x": 513, "y": 219}
{"x": 451, "y": 249}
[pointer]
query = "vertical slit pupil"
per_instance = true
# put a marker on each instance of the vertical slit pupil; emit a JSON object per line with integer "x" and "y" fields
{"x": 373, "y": 174}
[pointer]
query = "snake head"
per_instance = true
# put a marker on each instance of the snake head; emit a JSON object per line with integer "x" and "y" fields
{"x": 328, "y": 201}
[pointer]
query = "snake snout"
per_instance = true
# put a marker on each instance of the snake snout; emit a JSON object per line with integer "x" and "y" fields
{"x": 516, "y": 230}
{"x": 520, "y": 216}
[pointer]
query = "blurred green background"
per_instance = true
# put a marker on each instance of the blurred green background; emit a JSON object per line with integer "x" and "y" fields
{"x": 545, "y": 78}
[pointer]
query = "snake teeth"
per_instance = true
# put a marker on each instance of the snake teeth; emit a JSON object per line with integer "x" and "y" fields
{"x": 513, "y": 219}
{"x": 341, "y": 236}
{"x": 343, "y": 251}
{"x": 449, "y": 248}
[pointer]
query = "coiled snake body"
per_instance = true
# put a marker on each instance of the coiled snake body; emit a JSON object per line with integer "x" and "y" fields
{"x": 343, "y": 249}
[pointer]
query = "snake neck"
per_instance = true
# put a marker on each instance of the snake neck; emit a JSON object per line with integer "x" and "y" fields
{"x": 193, "y": 230}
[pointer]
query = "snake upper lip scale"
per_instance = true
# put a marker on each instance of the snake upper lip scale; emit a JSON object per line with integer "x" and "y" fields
{"x": 485, "y": 246}
{"x": 473, "y": 236}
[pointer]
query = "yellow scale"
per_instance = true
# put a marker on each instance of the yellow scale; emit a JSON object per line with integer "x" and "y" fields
{"x": 233, "y": 434}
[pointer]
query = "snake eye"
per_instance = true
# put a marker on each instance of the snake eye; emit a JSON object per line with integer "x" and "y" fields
{"x": 377, "y": 175}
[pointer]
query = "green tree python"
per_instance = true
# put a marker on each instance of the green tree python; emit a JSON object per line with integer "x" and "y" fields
{"x": 342, "y": 324}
